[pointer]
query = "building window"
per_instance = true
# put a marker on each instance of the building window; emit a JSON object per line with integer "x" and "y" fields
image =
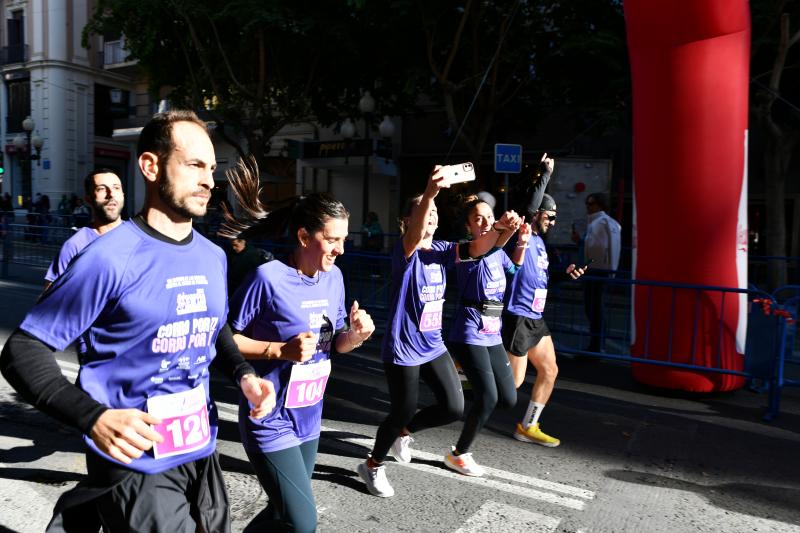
{"x": 19, "y": 104}
{"x": 110, "y": 104}
{"x": 15, "y": 50}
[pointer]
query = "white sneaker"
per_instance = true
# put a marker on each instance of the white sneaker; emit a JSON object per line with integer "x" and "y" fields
{"x": 464, "y": 464}
{"x": 376, "y": 481}
{"x": 401, "y": 448}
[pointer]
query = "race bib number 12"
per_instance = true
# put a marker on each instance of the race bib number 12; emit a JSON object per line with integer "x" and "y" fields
{"x": 184, "y": 421}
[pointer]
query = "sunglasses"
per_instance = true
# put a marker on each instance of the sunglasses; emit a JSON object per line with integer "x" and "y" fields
{"x": 551, "y": 218}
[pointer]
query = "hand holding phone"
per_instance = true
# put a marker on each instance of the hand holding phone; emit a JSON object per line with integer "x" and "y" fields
{"x": 459, "y": 173}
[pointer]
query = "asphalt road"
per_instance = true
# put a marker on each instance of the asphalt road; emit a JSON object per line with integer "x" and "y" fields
{"x": 631, "y": 459}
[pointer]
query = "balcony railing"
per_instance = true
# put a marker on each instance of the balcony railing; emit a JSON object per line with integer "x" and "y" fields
{"x": 114, "y": 53}
{"x": 16, "y": 53}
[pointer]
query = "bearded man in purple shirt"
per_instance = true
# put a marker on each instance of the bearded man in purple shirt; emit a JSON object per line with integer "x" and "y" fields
{"x": 150, "y": 301}
{"x": 105, "y": 196}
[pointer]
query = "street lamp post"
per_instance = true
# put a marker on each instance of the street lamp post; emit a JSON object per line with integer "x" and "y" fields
{"x": 366, "y": 105}
{"x": 348, "y": 130}
{"x": 24, "y": 145}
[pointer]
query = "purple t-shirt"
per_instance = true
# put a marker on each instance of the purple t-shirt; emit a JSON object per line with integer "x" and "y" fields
{"x": 414, "y": 329}
{"x": 70, "y": 249}
{"x": 480, "y": 280}
{"x": 276, "y": 303}
{"x": 527, "y": 292}
{"x": 150, "y": 312}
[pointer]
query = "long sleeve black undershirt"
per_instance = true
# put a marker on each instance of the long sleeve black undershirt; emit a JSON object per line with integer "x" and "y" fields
{"x": 29, "y": 366}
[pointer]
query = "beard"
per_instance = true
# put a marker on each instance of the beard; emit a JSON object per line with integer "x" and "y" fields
{"x": 179, "y": 204}
{"x": 105, "y": 213}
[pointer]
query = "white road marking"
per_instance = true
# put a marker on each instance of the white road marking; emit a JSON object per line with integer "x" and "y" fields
{"x": 572, "y": 503}
{"x": 526, "y": 486}
{"x": 493, "y": 517}
{"x": 24, "y": 508}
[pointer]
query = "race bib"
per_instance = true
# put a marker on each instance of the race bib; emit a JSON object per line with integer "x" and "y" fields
{"x": 539, "y": 299}
{"x": 184, "y": 421}
{"x": 431, "y": 318}
{"x": 307, "y": 384}
{"x": 491, "y": 325}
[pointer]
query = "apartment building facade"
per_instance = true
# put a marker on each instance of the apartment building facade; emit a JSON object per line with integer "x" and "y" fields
{"x": 75, "y": 96}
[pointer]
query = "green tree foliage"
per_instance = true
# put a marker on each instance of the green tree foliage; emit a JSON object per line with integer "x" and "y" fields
{"x": 260, "y": 64}
{"x": 257, "y": 65}
{"x": 527, "y": 58}
{"x": 775, "y": 111}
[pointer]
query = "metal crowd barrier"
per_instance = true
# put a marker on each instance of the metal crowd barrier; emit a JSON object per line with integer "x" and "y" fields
{"x": 771, "y": 356}
{"x": 768, "y": 345}
{"x": 28, "y": 245}
{"x": 786, "y": 312}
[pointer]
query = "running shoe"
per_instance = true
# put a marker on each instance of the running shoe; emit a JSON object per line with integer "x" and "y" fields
{"x": 464, "y": 464}
{"x": 535, "y": 435}
{"x": 401, "y": 448}
{"x": 375, "y": 478}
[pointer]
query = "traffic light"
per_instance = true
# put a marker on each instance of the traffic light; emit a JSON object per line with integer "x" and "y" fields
{"x": 2, "y": 163}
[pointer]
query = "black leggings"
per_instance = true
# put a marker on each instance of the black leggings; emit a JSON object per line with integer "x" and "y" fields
{"x": 489, "y": 372}
{"x": 440, "y": 375}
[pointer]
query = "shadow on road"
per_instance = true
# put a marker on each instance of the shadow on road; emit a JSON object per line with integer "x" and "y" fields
{"x": 763, "y": 501}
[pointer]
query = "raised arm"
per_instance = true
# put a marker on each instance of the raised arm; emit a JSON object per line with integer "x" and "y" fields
{"x": 539, "y": 187}
{"x": 418, "y": 223}
{"x": 503, "y": 229}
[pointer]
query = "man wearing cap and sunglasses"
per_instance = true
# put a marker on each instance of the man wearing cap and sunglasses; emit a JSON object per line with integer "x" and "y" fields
{"x": 525, "y": 334}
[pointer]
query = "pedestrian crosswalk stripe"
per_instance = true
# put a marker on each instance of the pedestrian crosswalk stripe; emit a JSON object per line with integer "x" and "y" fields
{"x": 527, "y": 486}
{"x": 493, "y": 517}
{"x": 488, "y": 482}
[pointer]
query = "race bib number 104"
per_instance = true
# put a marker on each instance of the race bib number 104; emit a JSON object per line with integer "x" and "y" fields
{"x": 307, "y": 384}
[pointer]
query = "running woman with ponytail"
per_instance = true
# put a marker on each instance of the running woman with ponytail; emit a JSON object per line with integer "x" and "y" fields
{"x": 412, "y": 345}
{"x": 289, "y": 316}
{"x": 475, "y": 333}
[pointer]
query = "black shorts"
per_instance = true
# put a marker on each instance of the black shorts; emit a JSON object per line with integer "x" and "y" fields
{"x": 187, "y": 498}
{"x": 521, "y": 333}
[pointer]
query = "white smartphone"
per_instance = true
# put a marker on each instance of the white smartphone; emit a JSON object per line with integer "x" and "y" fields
{"x": 458, "y": 173}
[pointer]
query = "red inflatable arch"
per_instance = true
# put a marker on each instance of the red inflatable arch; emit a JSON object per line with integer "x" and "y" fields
{"x": 690, "y": 66}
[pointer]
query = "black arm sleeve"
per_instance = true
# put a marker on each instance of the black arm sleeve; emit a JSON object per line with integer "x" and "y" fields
{"x": 537, "y": 192}
{"x": 29, "y": 366}
{"x": 229, "y": 359}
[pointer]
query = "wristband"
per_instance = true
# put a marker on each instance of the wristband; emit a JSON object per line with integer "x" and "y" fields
{"x": 265, "y": 353}
{"x": 354, "y": 346}
{"x": 495, "y": 229}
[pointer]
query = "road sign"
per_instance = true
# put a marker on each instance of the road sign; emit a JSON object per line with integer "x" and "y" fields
{"x": 508, "y": 158}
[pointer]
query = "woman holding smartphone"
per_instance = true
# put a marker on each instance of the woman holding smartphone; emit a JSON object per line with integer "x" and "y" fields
{"x": 413, "y": 348}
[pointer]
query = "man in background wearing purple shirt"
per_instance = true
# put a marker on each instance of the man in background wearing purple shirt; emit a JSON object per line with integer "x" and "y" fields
{"x": 106, "y": 198}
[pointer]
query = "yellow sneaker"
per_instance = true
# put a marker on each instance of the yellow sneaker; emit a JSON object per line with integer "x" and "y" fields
{"x": 535, "y": 435}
